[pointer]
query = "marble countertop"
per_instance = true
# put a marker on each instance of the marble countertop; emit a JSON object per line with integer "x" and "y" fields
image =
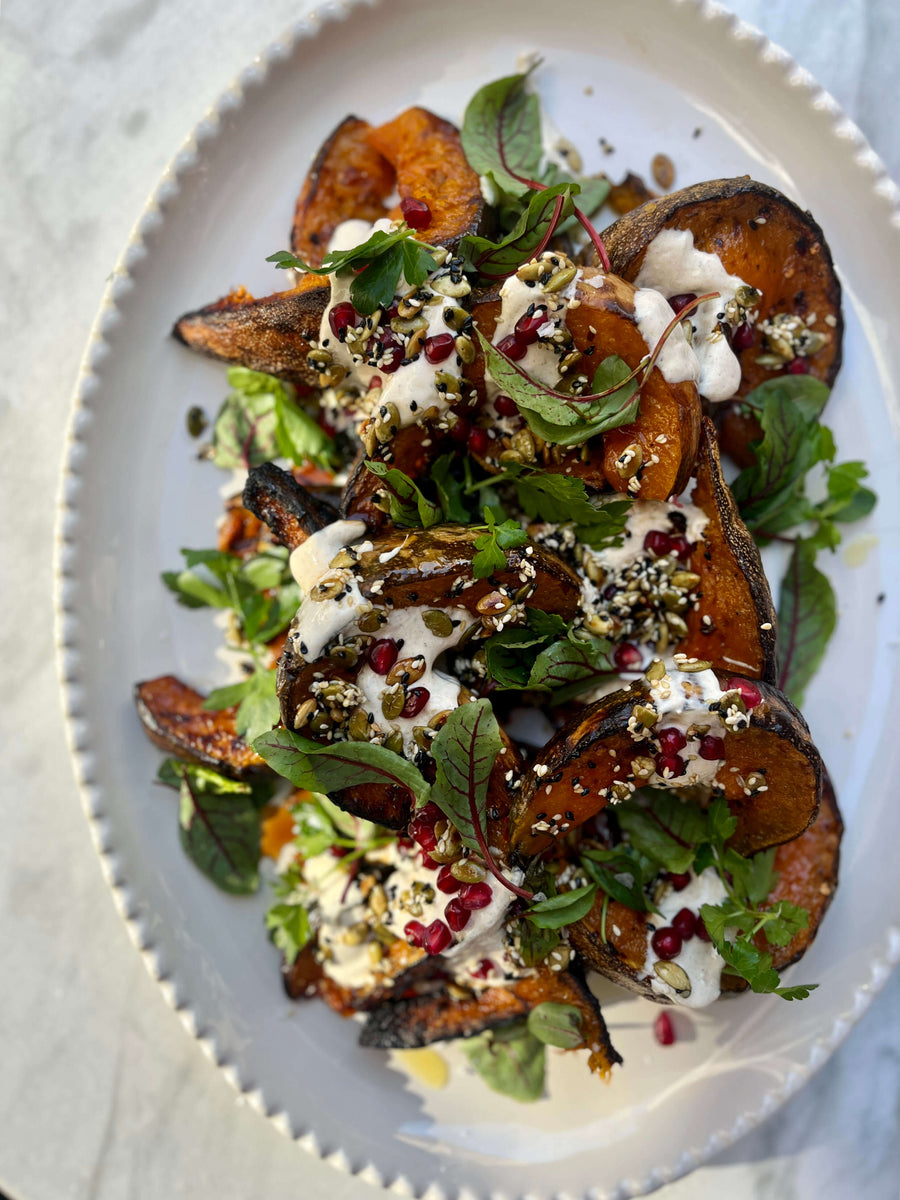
{"x": 102, "y": 1096}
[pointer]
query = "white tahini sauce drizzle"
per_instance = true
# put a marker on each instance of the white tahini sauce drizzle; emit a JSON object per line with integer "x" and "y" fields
{"x": 676, "y": 361}
{"x": 682, "y": 700}
{"x": 672, "y": 265}
{"x": 541, "y": 360}
{"x": 644, "y": 516}
{"x": 319, "y": 621}
{"x": 698, "y": 959}
{"x": 412, "y": 386}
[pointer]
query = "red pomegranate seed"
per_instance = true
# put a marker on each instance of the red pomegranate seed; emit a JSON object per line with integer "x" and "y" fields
{"x": 627, "y": 657}
{"x": 512, "y": 347}
{"x": 475, "y": 895}
{"x": 460, "y": 431}
{"x": 671, "y": 740}
{"x": 701, "y": 931}
{"x": 390, "y": 313}
{"x": 484, "y": 968}
{"x": 527, "y": 326}
{"x": 338, "y": 851}
{"x": 799, "y": 366}
{"x": 446, "y": 881}
{"x": 681, "y": 547}
{"x": 685, "y": 923}
{"x": 416, "y": 213}
{"x": 679, "y": 882}
{"x": 382, "y": 655}
{"x": 750, "y": 694}
{"x": 664, "y": 1030}
{"x": 671, "y": 763}
{"x": 375, "y": 382}
{"x": 658, "y": 543}
{"x": 427, "y": 861}
{"x": 414, "y": 932}
{"x": 416, "y": 699}
{"x": 391, "y": 352}
{"x": 478, "y": 441}
{"x": 343, "y": 317}
{"x": 666, "y": 942}
{"x": 457, "y": 916}
{"x": 742, "y": 338}
{"x": 437, "y": 937}
{"x": 506, "y": 406}
{"x": 711, "y": 748}
{"x": 439, "y": 347}
{"x": 682, "y": 300}
{"x": 421, "y": 827}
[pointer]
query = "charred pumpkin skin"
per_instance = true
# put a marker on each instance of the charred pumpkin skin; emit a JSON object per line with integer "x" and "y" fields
{"x": 595, "y": 749}
{"x": 427, "y": 155}
{"x": 291, "y": 513}
{"x": 807, "y": 876}
{"x": 174, "y": 719}
{"x": 734, "y": 592}
{"x": 766, "y": 239}
{"x": 348, "y": 180}
{"x": 273, "y": 335}
{"x": 421, "y": 1020}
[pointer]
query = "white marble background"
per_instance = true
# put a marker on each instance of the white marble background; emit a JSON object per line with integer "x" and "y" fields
{"x": 102, "y": 1095}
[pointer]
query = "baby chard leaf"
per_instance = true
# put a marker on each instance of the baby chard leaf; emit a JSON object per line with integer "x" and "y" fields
{"x": 564, "y": 909}
{"x": 498, "y": 260}
{"x": 807, "y": 615}
{"x": 556, "y": 1025}
{"x": 465, "y": 750}
{"x": 510, "y": 1061}
{"x": 329, "y": 768}
{"x": 219, "y": 826}
{"x": 501, "y": 133}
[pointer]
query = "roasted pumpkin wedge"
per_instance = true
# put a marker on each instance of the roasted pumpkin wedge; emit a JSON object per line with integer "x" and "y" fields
{"x": 427, "y": 155}
{"x": 613, "y": 939}
{"x": 349, "y": 180}
{"x": 772, "y": 245}
{"x": 371, "y": 670}
{"x": 274, "y": 334}
{"x": 602, "y": 322}
{"x": 687, "y": 728}
{"x": 421, "y": 1020}
{"x": 174, "y": 719}
{"x": 732, "y": 625}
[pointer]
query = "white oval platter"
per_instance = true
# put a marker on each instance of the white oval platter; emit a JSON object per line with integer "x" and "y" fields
{"x": 644, "y": 76}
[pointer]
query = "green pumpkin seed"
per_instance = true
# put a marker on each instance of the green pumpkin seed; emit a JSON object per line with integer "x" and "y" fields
{"x": 561, "y": 279}
{"x": 196, "y": 421}
{"x": 392, "y": 702}
{"x": 358, "y": 726}
{"x": 674, "y": 975}
{"x": 438, "y": 622}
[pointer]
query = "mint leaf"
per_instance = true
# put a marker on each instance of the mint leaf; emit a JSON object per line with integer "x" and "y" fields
{"x": 219, "y": 826}
{"x": 507, "y": 663}
{"x": 807, "y": 615}
{"x": 560, "y": 499}
{"x": 408, "y": 506}
{"x": 494, "y": 261}
{"x": 501, "y": 133}
{"x": 510, "y": 1061}
{"x": 556, "y": 1025}
{"x": 329, "y": 768}
{"x": 564, "y": 909}
{"x": 289, "y": 929}
{"x": 465, "y": 750}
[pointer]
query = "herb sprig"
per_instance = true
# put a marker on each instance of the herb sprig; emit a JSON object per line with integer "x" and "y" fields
{"x": 381, "y": 260}
{"x": 261, "y": 420}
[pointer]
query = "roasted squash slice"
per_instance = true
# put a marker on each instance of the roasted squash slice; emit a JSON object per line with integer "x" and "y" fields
{"x": 291, "y": 513}
{"x": 733, "y": 624}
{"x": 770, "y": 772}
{"x": 614, "y": 943}
{"x": 349, "y": 180}
{"x": 427, "y": 155}
{"x": 421, "y": 1020}
{"x": 273, "y": 335}
{"x": 174, "y": 719}
{"x": 773, "y": 245}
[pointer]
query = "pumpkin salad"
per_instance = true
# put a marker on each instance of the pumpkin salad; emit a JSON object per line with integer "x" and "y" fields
{"x": 514, "y": 702}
